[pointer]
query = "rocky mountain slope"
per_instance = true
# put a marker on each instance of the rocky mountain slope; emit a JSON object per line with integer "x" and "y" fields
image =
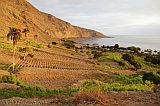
{"x": 21, "y": 14}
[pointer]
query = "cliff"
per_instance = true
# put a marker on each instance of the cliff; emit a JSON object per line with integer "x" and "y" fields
{"x": 21, "y": 14}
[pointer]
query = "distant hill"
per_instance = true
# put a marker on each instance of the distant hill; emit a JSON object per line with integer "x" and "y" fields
{"x": 20, "y": 13}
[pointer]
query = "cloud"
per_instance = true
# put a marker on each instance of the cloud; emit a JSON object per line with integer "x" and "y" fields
{"x": 107, "y": 16}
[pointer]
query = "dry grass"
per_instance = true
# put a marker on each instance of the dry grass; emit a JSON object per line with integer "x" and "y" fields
{"x": 8, "y": 86}
{"x": 91, "y": 97}
{"x": 2, "y": 73}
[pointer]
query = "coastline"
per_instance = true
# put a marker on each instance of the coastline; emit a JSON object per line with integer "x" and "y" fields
{"x": 80, "y": 40}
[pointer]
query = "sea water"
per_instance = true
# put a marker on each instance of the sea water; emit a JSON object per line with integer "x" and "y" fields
{"x": 144, "y": 42}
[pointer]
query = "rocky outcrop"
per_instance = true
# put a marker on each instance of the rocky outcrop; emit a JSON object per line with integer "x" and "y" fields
{"x": 20, "y": 13}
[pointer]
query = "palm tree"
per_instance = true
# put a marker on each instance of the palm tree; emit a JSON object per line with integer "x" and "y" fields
{"x": 25, "y": 31}
{"x": 14, "y": 35}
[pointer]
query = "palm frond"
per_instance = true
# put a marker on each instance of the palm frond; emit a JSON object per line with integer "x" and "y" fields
{"x": 14, "y": 34}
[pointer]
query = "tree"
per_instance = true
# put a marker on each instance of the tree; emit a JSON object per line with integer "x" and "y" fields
{"x": 96, "y": 54}
{"x": 134, "y": 49}
{"x": 14, "y": 35}
{"x": 128, "y": 57}
{"x": 149, "y": 51}
{"x": 152, "y": 76}
{"x": 25, "y": 31}
{"x": 69, "y": 44}
{"x": 136, "y": 64}
{"x": 148, "y": 58}
{"x": 153, "y": 59}
{"x": 116, "y": 46}
{"x": 103, "y": 46}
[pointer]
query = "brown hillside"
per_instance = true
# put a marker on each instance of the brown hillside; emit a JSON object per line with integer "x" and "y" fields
{"x": 20, "y": 13}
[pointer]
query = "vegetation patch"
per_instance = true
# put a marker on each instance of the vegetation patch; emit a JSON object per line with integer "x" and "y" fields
{"x": 92, "y": 85}
{"x": 9, "y": 47}
{"x": 27, "y": 91}
{"x": 4, "y": 66}
{"x": 6, "y": 46}
{"x": 34, "y": 44}
{"x": 131, "y": 59}
{"x": 152, "y": 76}
{"x": 2, "y": 36}
{"x": 114, "y": 56}
{"x": 153, "y": 59}
{"x": 126, "y": 79}
{"x": 69, "y": 44}
{"x": 96, "y": 54}
{"x": 105, "y": 59}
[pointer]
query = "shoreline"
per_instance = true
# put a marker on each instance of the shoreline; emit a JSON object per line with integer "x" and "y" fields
{"x": 79, "y": 40}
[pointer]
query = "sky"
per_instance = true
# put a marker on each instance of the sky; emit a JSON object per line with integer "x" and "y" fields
{"x": 111, "y": 17}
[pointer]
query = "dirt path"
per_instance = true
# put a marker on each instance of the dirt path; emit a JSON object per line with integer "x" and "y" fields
{"x": 113, "y": 99}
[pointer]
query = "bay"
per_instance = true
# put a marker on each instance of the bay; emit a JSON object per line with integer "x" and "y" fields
{"x": 144, "y": 42}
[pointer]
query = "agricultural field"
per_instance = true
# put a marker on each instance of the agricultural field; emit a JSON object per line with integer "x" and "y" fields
{"x": 72, "y": 77}
{"x": 49, "y": 67}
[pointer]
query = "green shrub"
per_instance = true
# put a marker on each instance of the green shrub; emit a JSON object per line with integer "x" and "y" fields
{"x": 126, "y": 79}
{"x": 6, "y": 79}
{"x": 26, "y": 91}
{"x": 11, "y": 79}
{"x": 69, "y": 44}
{"x": 122, "y": 63}
{"x": 6, "y": 46}
{"x": 128, "y": 57}
{"x": 19, "y": 49}
{"x": 116, "y": 46}
{"x": 50, "y": 92}
{"x": 105, "y": 59}
{"x": 115, "y": 87}
{"x": 152, "y": 76}
{"x": 134, "y": 49}
{"x": 4, "y": 66}
{"x": 115, "y": 56}
{"x": 71, "y": 90}
{"x": 96, "y": 54}
{"x": 91, "y": 62}
{"x": 2, "y": 36}
{"x": 34, "y": 44}
{"x": 9, "y": 47}
{"x": 136, "y": 64}
{"x": 153, "y": 59}
{"x": 131, "y": 59}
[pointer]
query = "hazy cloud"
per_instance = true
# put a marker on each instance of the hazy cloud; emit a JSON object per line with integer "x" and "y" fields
{"x": 107, "y": 16}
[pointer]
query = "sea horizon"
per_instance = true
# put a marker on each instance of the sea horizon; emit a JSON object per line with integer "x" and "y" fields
{"x": 142, "y": 41}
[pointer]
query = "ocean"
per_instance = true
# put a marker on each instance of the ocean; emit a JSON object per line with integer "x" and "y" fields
{"x": 144, "y": 42}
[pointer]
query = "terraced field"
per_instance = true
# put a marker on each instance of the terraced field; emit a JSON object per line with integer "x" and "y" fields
{"x": 39, "y": 54}
{"x": 52, "y": 78}
{"x": 54, "y": 68}
{"x": 50, "y": 67}
{"x": 53, "y": 64}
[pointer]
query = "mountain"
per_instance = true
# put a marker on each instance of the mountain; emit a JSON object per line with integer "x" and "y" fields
{"x": 21, "y": 14}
